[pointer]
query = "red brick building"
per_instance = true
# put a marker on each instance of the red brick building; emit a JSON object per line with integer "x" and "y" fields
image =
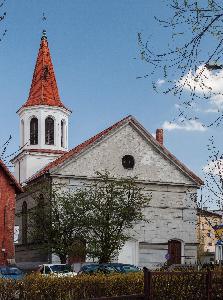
{"x": 9, "y": 187}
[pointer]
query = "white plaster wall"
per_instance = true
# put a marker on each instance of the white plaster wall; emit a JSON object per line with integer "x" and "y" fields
{"x": 129, "y": 253}
{"x": 150, "y": 165}
{"x": 171, "y": 211}
{"x": 174, "y": 218}
{"x": 41, "y": 113}
{"x": 29, "y": 163}
{"x": 171, "y": 214}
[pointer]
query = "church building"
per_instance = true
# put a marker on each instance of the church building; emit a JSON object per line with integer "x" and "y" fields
{"x": 125, "y": 149}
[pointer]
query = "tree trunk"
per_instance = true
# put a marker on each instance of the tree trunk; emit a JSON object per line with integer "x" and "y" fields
{"x": 63, "y": 258}
{"x": 104, "y": 258}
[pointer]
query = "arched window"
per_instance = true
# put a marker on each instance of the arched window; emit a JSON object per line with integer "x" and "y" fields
{"x": 49, "y": 131}
{"x": 63, "y": 134}
{"x": 34, "y": 131}
{"x": 24, "y": 222}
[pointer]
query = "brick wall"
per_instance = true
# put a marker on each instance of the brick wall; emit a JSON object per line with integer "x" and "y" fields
{"x": 7, "y": 211}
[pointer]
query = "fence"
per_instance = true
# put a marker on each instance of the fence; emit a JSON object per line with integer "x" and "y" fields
{"x": 206, "y": 285}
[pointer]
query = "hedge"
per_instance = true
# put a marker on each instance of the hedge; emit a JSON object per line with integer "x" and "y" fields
{"x": 39, "y": 287}
{"x": 165, "y": 285}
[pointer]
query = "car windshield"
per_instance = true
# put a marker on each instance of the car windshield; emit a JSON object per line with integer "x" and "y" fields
{"x": 10, "y": 271}
{"x": 118, "y": 267}
{"x": 130, "y": 268}
{"x": 89, "y": 267}
{"x": 61, "y": 268}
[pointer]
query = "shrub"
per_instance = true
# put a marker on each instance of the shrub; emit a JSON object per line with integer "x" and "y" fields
{"x": 8, "y": 289}
{"x": 38, "y": 287}
{"x": 165, "y": 285}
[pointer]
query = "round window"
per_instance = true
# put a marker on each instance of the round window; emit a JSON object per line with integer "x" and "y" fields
{"x": 128, "y": 162}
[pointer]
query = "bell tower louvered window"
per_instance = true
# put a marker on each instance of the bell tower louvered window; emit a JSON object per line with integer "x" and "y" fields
{"x": 49, "y": 131}
{"x": 34, "y": 131}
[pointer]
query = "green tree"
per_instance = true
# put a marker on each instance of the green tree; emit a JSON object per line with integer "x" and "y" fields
{"x": 116, "y": 206}
{"x": 57, "y": 221}
{"x": 95, "y": 220}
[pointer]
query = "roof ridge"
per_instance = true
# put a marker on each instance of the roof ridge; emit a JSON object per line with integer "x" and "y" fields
{"x": 105, "y": 132}
{"x": 170, "y": 155}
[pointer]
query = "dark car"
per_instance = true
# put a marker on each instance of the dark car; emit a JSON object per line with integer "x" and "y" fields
{"x": 7, "y": 272}
{"x": 108, "y": 268}
{"x": 97, "y": 268}
{"x": 125, "y": 268}
{"x": 88, "y": 269}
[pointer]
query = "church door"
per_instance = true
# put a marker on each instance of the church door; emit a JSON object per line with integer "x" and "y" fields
{"x": 174, "y": 251}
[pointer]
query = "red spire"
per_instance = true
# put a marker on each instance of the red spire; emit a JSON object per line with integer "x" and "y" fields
{"x": 44, "y": 89}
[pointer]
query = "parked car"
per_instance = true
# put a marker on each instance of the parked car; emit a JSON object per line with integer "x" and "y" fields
{"x": 8, "y": 272}
{"x": 56, "y": 269}
{"x": 125, "y": 268}
{"x": 108, "y": 268}
{"x": 97, "y": 268}
{"x": 88, "y": 269}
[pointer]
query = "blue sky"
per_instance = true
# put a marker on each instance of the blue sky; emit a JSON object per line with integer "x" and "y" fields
{"x": 96, "y": 59}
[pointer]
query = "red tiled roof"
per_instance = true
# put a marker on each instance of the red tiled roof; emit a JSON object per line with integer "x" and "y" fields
{"x": 104, "y": 133}
{"x": 12, "y": 178}
{"x": 44, "y": 89}
{"x": 78, "y": 149}
{"x": 208, "y": 213}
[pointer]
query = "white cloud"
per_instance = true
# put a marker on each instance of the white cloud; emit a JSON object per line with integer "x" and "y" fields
{"x": 214, "y": 167}
{"x": 187, "y": 125}
{"x": 160, "y": 82}
{"x": 177, "y": 105}
{"x": 206, "y": 82}
{"x": 211, "y": 110}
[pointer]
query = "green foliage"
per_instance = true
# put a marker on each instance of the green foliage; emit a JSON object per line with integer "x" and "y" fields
{"x": 57, "y": 220}
{"x": 98, "y": 215}
{"x": 116, "y": 206}
{"x": 36, "y": 287}
{"x": 165, "y": 286}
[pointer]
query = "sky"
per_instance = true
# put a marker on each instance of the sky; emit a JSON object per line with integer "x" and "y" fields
{"x": 96, "y": 59}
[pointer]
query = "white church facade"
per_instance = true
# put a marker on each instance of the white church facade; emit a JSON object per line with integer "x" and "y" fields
{"x": 171, "y": 231}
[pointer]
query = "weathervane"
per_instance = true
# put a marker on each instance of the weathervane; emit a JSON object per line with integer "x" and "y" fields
{"x": 44, "y": 17}
{"x": 44, "y": 31}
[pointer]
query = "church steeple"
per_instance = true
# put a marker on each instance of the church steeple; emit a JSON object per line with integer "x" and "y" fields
{"x": 44, "y": 90}
{"x": 43, "y": 119}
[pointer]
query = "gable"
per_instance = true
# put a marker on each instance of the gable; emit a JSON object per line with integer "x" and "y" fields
{"x": 151, "y": 165}
{"x": 8, "y": 179}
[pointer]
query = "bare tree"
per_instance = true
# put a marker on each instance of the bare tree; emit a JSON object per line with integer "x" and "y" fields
{"x": 184, "y": 64}
{"x": 3, "y": 150}
{"x": 2, "y": 17}
{"x": 213, "y": 195}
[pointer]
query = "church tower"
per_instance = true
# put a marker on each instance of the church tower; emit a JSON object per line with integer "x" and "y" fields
{"x": 43, "y": 120}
